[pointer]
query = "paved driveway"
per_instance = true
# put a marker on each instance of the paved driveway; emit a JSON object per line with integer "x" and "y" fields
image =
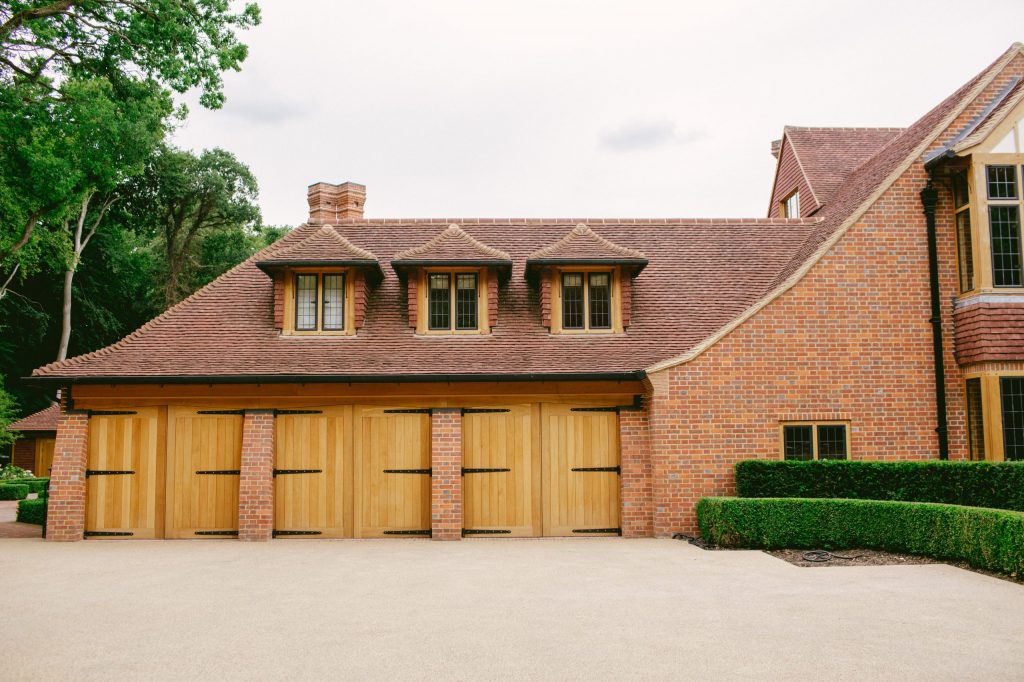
{"x": 555, "y": 609}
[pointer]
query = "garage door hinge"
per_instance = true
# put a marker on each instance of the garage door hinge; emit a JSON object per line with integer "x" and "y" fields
{"x": 107, "y": 472}
{"x": 216, "y": 532}
{"x": 425, "y": 472}
{"x": 611, "y": 470}
{"x": 484, "y": 410}
{"x": 106, "y": 534}
{"x": 278, "y": 413}
{"x": 219, "y": 472}
{"x": 108, "y": 413}
{"x": 240, "y": 412}
{"x": 282, "y": 472}
{"x": 417, "y": 410}
{"x": 277, "y": 533}
{"x": 483, "y": 471}
{"x": 617, "y": 531}
{"x": 485, "y": 531}
{"x": 426, "y": 532}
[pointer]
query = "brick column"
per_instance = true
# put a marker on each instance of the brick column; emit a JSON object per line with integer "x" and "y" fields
{"x": 446, "y": 481}
{"x": 256, "y": 484}
{"x": 66, "y": 509}
{"x": 637, "y": 498}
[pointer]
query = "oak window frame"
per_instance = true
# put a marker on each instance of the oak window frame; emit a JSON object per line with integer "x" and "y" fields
{"x": 815, "y": 427}
{"x": 614, "y": 296}
{"x": 789, "y": 207}
{"x": 290, "y": 325}
{"x": 423, "y": 322}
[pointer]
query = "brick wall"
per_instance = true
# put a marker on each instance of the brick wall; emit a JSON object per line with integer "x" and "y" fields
{"x": 256, "y": 484}
{"x": 66, "y": 514}
{"x": 635, "y": 445}
{"x": 446, "y": 481}
{"x": 23, "y": 454}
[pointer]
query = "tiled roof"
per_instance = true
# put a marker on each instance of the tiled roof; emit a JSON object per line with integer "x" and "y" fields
{"x": 583, "y": 245}
{"x": 451, "y": 246}
{"x": 43, "y": 420}
{"x": 828, "y": 155}
{"x": 704, "y": 278}
{"x": 323, "y": 246}
{"x": 979, "y": 130}
{"x": 988, "y": 332}
{"x": 704, "y": 273}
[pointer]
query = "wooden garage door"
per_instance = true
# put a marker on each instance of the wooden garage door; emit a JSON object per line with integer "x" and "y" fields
{"x": 501, "y": 472}
{"x": 204, "y": 457}
{"x": 580, "y": 478}
{"x": 311, "y": 469}
{"x": 392, "y": 472}
{"x": 44, "y": 456}
{"x": 124, "y": 481}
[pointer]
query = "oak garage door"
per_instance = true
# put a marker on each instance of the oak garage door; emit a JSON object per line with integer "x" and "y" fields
{"x": 501, "y": 472}
{"x": 312, "y": 463}
{"x": 204, "y": 455}
{"x": 392, "y": 472}
{"x": 124, "y": 483}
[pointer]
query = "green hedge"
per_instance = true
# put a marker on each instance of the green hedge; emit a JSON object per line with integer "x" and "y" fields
{"x": 32, "y": 511}
{"x": 35, "y": 485}
{"x": 992, "y": 539}
{"x": 13, "y": 491}
{"x": 974, "y": 484}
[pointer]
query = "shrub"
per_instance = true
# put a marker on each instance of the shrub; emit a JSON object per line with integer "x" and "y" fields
{"x": 32, "y": 511}
{"x": 974, "y": 484}
{"x": 35, "y": 485}
{"x": 13, "y": 473}
{"x": 985, "y": 538}
{"x": 13, "y": 491}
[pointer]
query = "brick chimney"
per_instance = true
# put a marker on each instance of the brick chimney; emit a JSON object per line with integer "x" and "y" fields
{"x": 330, "y": 203}
{"x": 776, "y": 148}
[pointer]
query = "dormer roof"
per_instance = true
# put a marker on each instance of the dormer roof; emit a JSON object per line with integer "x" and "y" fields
{"x": 324, "y": 247}
{"x": 452, "y": 246}
{"x": 43, "y": 420}
{"x": 583, "y": 246}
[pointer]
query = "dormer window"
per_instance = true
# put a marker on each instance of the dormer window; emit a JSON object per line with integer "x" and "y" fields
{"x": 586, "y": 301}
{"x": 453, "y": 291}
{"x": 791, "y": 205}
{"x": 320, "y": 301}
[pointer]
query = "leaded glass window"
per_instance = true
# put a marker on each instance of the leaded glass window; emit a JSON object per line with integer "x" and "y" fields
{"x": 975, "y": 421}
{"x": 1001, "y": 181}
{"x": 831, "y": 441}
{"x": 791, "y": 205}
{"x": 798, "y": 442}
{"x": 440, "y": 304}
{"x": 305, "y": 302}
{"x": 1004, "y": 223}
{"x": 1012, "y": 394}
{"x": 600, "y": 300}
{"x": 465, "y": 300}
{"x": 965, "y": 250}
{"x": 333, "y": 304}
{"x": 572, "y": 300}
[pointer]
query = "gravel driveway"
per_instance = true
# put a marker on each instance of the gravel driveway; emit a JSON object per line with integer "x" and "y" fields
{"x": 554, "y": 609}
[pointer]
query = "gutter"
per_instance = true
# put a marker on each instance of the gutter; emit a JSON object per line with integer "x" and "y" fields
{"x": 637, "y": 375}
{"x": 929, "y": 199}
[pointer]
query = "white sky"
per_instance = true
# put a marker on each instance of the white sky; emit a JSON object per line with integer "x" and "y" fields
{"x": 561, "y": 108}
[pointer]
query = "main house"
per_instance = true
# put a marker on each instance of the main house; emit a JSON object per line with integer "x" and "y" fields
{"x": 450, "y": 378}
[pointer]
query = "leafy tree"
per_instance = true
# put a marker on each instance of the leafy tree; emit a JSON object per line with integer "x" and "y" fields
{"x": 8, "y": 414}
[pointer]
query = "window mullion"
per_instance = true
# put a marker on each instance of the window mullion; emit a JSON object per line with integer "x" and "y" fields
{"x": 586, "y": 301}
{"x": 814, "y": 441}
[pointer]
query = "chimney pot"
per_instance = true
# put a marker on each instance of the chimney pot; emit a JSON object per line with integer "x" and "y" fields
{"x": 329, "y": 203}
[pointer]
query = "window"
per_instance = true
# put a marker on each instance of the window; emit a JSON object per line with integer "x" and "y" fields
{"x": 975, "y": 421}
{"x": 587, "y": 301}
{"x": 1011, "y": 391}
{"x": 791, "y": 205}
{"x": 319, "y": 302}
{"x": 1004, "y": 225}
{"x": 806, "y": 442}
{"x": 453, "y": 291}
{"x": 964, "y": 245}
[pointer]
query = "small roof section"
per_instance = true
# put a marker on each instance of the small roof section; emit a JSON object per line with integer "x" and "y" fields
{"x": 43, "y": 420}
{"x": 583, "y": 246}
{"x": 323, "y": 247}
{"x": 452, "y": 246}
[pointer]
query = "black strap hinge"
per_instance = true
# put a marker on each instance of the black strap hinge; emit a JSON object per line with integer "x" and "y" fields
{"x": 216, "y": 532}
{"x": 282, "y": 472}
{"x": 107, "y": 472}
{"x": 425, "y": 472}
{"x": 467, "y": 470}
{"x": 219, "y": 472}
{"x": 238, "y": 412}
{"x": 484, "y": 410}
{"x": 278, "y": 413}
{"x": 610, "y": 470}
{"x": 617, "y": 531}
{"x": 426, "y": 532}
{"x": 277, "y": 533}
{"x": 416, "y": 410}
{"x": 485, "y": 531}
{"x": 107, "y": 534}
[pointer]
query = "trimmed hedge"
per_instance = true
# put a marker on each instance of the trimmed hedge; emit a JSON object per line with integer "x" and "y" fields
{"x": 973, "y": 484}
{"x": 13, "y": 491}
{"x": 992, "y": 539}
{"x": 35, "y": 485}
{"x": 32, "y": 511}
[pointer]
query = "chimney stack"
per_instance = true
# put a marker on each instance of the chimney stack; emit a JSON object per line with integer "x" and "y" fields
{"x": 776, "y": 148}
{"x": 329, "y": 203}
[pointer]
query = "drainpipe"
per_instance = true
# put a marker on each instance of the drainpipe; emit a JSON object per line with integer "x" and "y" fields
{"x": 929, "y": 199}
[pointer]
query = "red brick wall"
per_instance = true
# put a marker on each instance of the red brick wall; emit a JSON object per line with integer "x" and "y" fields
{"x": 492, "y": 298}
{"x": 446, "y": 481}
{"x": 635, "y": 446}
{"x": 545, "y": 297}
{"x": 256, "y": 484}
{"x": 23, "y": 453}
{"x": 788, "y": 177}
{"x": 359, "y": 295}
{"x": 626, "y": 287}
{"x": 66, "y": 514}
{"x": 412, "y": 284}
{"x": 278, "y": 300}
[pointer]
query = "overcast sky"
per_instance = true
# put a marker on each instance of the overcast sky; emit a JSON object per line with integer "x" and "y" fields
{"x": 575, "y": 109}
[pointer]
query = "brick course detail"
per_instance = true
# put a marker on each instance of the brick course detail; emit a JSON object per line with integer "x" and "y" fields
{"x": 446, "y": 479}
{"x": 66, "y": 514}
{"x": 256, "y": 484}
